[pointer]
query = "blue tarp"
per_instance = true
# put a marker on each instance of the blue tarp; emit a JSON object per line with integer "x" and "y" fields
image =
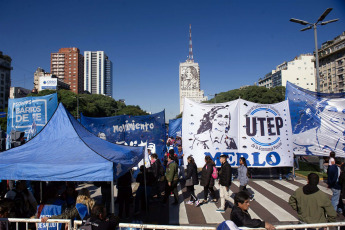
{"x": 175, "y": 127}
{"x": 130, "y": 130}
{"x": 65, "y": 151}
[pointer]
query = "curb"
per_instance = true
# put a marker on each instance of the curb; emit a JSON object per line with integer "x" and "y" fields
{"x": 305, "y": 177}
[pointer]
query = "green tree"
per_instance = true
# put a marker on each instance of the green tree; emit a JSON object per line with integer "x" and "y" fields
{"x": 255, "y": 94}
{"x": 92, "y": 105}
{"x": 134, "y": 110}
{"x": 179, "y": 116}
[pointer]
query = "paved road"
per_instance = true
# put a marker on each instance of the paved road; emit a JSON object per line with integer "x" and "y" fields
{"x": 270, "y": 204}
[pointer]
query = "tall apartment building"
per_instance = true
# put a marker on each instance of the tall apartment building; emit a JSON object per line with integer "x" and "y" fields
{"x": 189, "y": 78}
{"x": 299, "y": 71}
{"x": 98, "y": 73}
{"x": 5, "y": 79}
{"x": 332, "y": 65}
{"x": 68, "y": 65}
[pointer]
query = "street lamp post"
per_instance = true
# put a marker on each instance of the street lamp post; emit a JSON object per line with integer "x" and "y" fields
{"x": 314, "y": 25}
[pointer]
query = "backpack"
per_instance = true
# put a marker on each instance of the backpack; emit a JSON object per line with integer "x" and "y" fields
{"x": 215, "y": 173}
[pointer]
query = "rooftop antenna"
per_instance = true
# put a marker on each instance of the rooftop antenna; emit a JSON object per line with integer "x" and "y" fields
{"x": 190, "y": 57}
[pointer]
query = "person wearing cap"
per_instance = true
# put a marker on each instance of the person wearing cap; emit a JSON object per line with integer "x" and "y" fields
{"x": 224, "y": 182}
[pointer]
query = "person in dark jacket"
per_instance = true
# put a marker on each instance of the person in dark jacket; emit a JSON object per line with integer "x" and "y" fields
{"x": 124, "y": 186}
{"x": 99, "y": 220}
{"x": 333, "y": 183}
{"x": 157, "y": 171}
{"x": 224, "y": 182}
{"x": 207, "y": 180}
{"x": 342, "y": 184}
{"x": 193, "y": 175}
{"x": 240, "y": 216}
{"x": 145, "y": 179}
{"x": 4, "y": 213}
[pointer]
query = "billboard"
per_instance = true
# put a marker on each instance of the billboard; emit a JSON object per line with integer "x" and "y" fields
{"x": 48, "y": 83}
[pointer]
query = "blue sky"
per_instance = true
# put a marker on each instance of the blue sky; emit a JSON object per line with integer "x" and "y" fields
{"x": 234, "y": 42}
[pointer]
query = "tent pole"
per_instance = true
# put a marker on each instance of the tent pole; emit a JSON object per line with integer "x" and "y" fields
{"x": 112, "y": 197}
{"x": 146, "y": 198}
{"x": 41, "y": 192}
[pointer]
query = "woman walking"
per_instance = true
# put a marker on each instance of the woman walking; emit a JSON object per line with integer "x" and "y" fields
{"x": 191, "y": 180}
{"x": 243, "y": 176}
{"x": 207, "y": 180}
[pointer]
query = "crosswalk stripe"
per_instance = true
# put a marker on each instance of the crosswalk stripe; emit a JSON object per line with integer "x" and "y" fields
{"x": 251, "y": 212}
{"x": 285, "y": 196}
{"x": 177, "y": 213}
{"x": 273, "y": 208}
{"x": 209, "y": 209}
{"x": 286, "y": 184}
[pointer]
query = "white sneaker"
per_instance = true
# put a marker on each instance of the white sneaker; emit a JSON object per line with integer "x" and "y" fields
{"x": 190, "y": 202}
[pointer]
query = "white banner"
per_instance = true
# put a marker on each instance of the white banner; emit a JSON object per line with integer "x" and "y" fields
{"x": 260, "y": 133}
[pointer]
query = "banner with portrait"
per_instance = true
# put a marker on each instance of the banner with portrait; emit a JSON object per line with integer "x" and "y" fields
{"x": 30, "y": 114}
{"x": 318, "y": 121}
{"x": 147, "y": 130}
{"x": 258, "y": 132}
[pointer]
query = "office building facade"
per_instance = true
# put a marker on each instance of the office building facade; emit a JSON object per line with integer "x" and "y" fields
{"x": 98, "y": 73}
{"x": 5, "y": 79}
{"x": 299, "y": 71}
{"x": 332, "y": 65}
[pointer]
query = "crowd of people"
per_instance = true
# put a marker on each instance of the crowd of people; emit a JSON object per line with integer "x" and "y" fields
{"x": 156, "y": 183}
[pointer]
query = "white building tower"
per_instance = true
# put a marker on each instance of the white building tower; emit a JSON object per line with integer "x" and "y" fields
{"x": 190, "y": 78}
{"x": 97, "y": 73}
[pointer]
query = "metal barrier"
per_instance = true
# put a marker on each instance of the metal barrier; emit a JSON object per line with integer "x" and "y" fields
{"x": 77, "y": 223}
{"x": 27, "y": 221}
{"x": 151, "y": 226}
{"x": 306, "y": 226}
{"x": 281, "y": 227}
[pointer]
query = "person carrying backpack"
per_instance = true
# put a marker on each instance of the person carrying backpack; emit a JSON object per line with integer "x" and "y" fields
{"x": 207, "y": 181}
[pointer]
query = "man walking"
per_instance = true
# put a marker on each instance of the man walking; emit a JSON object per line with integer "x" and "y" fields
{"x": 312, "y": 205}
{"x": 333, "y": 173}
{"x": 171, "y": 179}
{"x": 224, "y": 182}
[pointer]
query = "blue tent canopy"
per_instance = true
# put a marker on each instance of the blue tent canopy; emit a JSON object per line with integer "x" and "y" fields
{"x": 65, "y": 151}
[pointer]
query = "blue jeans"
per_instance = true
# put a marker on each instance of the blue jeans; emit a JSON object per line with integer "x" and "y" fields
{"x": 181, "y": 172}
{"x": 335, "y": 198}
